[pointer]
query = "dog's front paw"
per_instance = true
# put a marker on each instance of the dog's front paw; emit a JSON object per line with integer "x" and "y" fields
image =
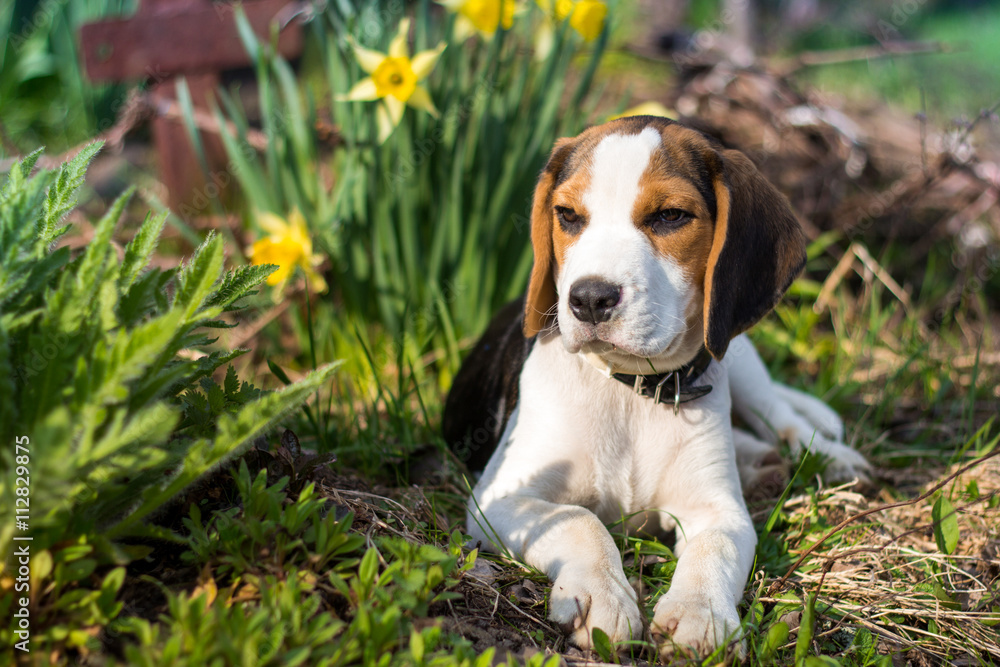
{"x": 582, "y": 602}
{"x": 692, "y": 623}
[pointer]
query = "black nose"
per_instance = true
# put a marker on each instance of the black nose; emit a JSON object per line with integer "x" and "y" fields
{"x": 593, "y": 300}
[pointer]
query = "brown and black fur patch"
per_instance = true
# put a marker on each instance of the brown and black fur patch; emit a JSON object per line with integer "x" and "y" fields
{"x": 757, "y": 252}
{"x": 485, "y": 391}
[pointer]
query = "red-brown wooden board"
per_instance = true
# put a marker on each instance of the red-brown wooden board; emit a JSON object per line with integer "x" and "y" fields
{"x": 197, "y": 39}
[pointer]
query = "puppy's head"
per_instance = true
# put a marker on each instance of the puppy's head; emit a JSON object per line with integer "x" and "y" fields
{"x": 650, "y": 239}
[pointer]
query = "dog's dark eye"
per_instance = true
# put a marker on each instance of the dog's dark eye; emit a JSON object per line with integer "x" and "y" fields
{"x": 667, "y": 220}
{"x": 568, "y": 218}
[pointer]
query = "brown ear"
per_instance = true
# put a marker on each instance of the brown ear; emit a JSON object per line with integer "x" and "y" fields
{"x": 542, "y": 287}
{"x": 757, "y": 251}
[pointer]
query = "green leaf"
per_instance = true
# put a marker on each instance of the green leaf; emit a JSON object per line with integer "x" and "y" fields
{"x": 368, "y": 569}
{"x": 195, "y": 280}
{"x": 110, "y": 586}
{"x": 233, "y": 436}
{"x": 140, "y": 249}
{"x": 74, "y": 570}
{"x": 262, "y": 414}
{"x": 486, "y": 658}
{"x": 41, "y": 565}
{"x": 239, "y": 283}
{"x": 148, "y": 427}
{"x": 20, "y": 172}
{"x": 946, "y": 600}
{"x": 30, "y": 283}
{"x": 279, "y": 372}
{"x": 603, "y": 646}
{"x": 246, "y": 33}
{"x": 806, "y": 627}
{"x": 821, "y": 243}
{"x": 821, "y": 661}
{"x": 129, "y": 356}
{"x": 945, "y": 525}
{"x": 776, "y": 637}
{"x": 231, "y": 383}
{"x": 93, "y": 265}
{"x": 62, "y": 194}
{"x": 863, "y": 642}
{"x": 417, "y": 645}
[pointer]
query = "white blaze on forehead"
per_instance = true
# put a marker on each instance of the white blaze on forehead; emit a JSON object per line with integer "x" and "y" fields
{"x": 617, "y": 165}
{"x": 654, "y": 290}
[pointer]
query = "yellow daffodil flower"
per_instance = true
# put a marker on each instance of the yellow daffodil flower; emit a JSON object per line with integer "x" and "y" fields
{"x": 394, "y": 80}
{"x": 586, "y": 17}
{"x": 482, "y": 16}
{"x": 289, "y": 246}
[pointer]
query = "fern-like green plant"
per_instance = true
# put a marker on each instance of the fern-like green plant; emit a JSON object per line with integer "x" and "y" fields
{"x": 92, "y": 382}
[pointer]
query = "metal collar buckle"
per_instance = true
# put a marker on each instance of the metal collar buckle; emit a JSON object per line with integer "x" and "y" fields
{"x": 677, "y": 390}
{"x": 640, "y": 381}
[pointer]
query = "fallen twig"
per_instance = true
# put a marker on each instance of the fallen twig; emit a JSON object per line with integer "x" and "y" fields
{"x": 780, "y": 583}
{"x": 833, "y": 280}
{"x": 884, "y": 277}
{"x": 837, "y": 56}
{"x": 137, "y": 109}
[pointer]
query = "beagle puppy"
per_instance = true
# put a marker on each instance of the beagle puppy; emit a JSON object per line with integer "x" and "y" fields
{"x": 605, "y": 394}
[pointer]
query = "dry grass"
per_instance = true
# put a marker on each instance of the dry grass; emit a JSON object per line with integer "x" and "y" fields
{"x": 887, "y": 574}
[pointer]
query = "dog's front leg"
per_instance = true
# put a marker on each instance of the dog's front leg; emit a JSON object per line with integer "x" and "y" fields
{"x": 570, "y": 545}
{"x": 715, "y": 544}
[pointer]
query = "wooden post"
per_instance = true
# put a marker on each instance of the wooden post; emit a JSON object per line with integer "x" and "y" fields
{"x": 196, "y": 39}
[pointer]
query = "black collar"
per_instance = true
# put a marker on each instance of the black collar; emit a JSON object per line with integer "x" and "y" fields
{"x": 673, "y": 387}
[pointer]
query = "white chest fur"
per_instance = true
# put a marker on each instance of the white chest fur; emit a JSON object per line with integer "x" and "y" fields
{"x": 580, "y": 438}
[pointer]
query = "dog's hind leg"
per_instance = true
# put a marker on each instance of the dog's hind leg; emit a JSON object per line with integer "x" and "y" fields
{"x": 762, "y": 472}
{"x": 815, "y": 411}
{"x": 778, "y": 413}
